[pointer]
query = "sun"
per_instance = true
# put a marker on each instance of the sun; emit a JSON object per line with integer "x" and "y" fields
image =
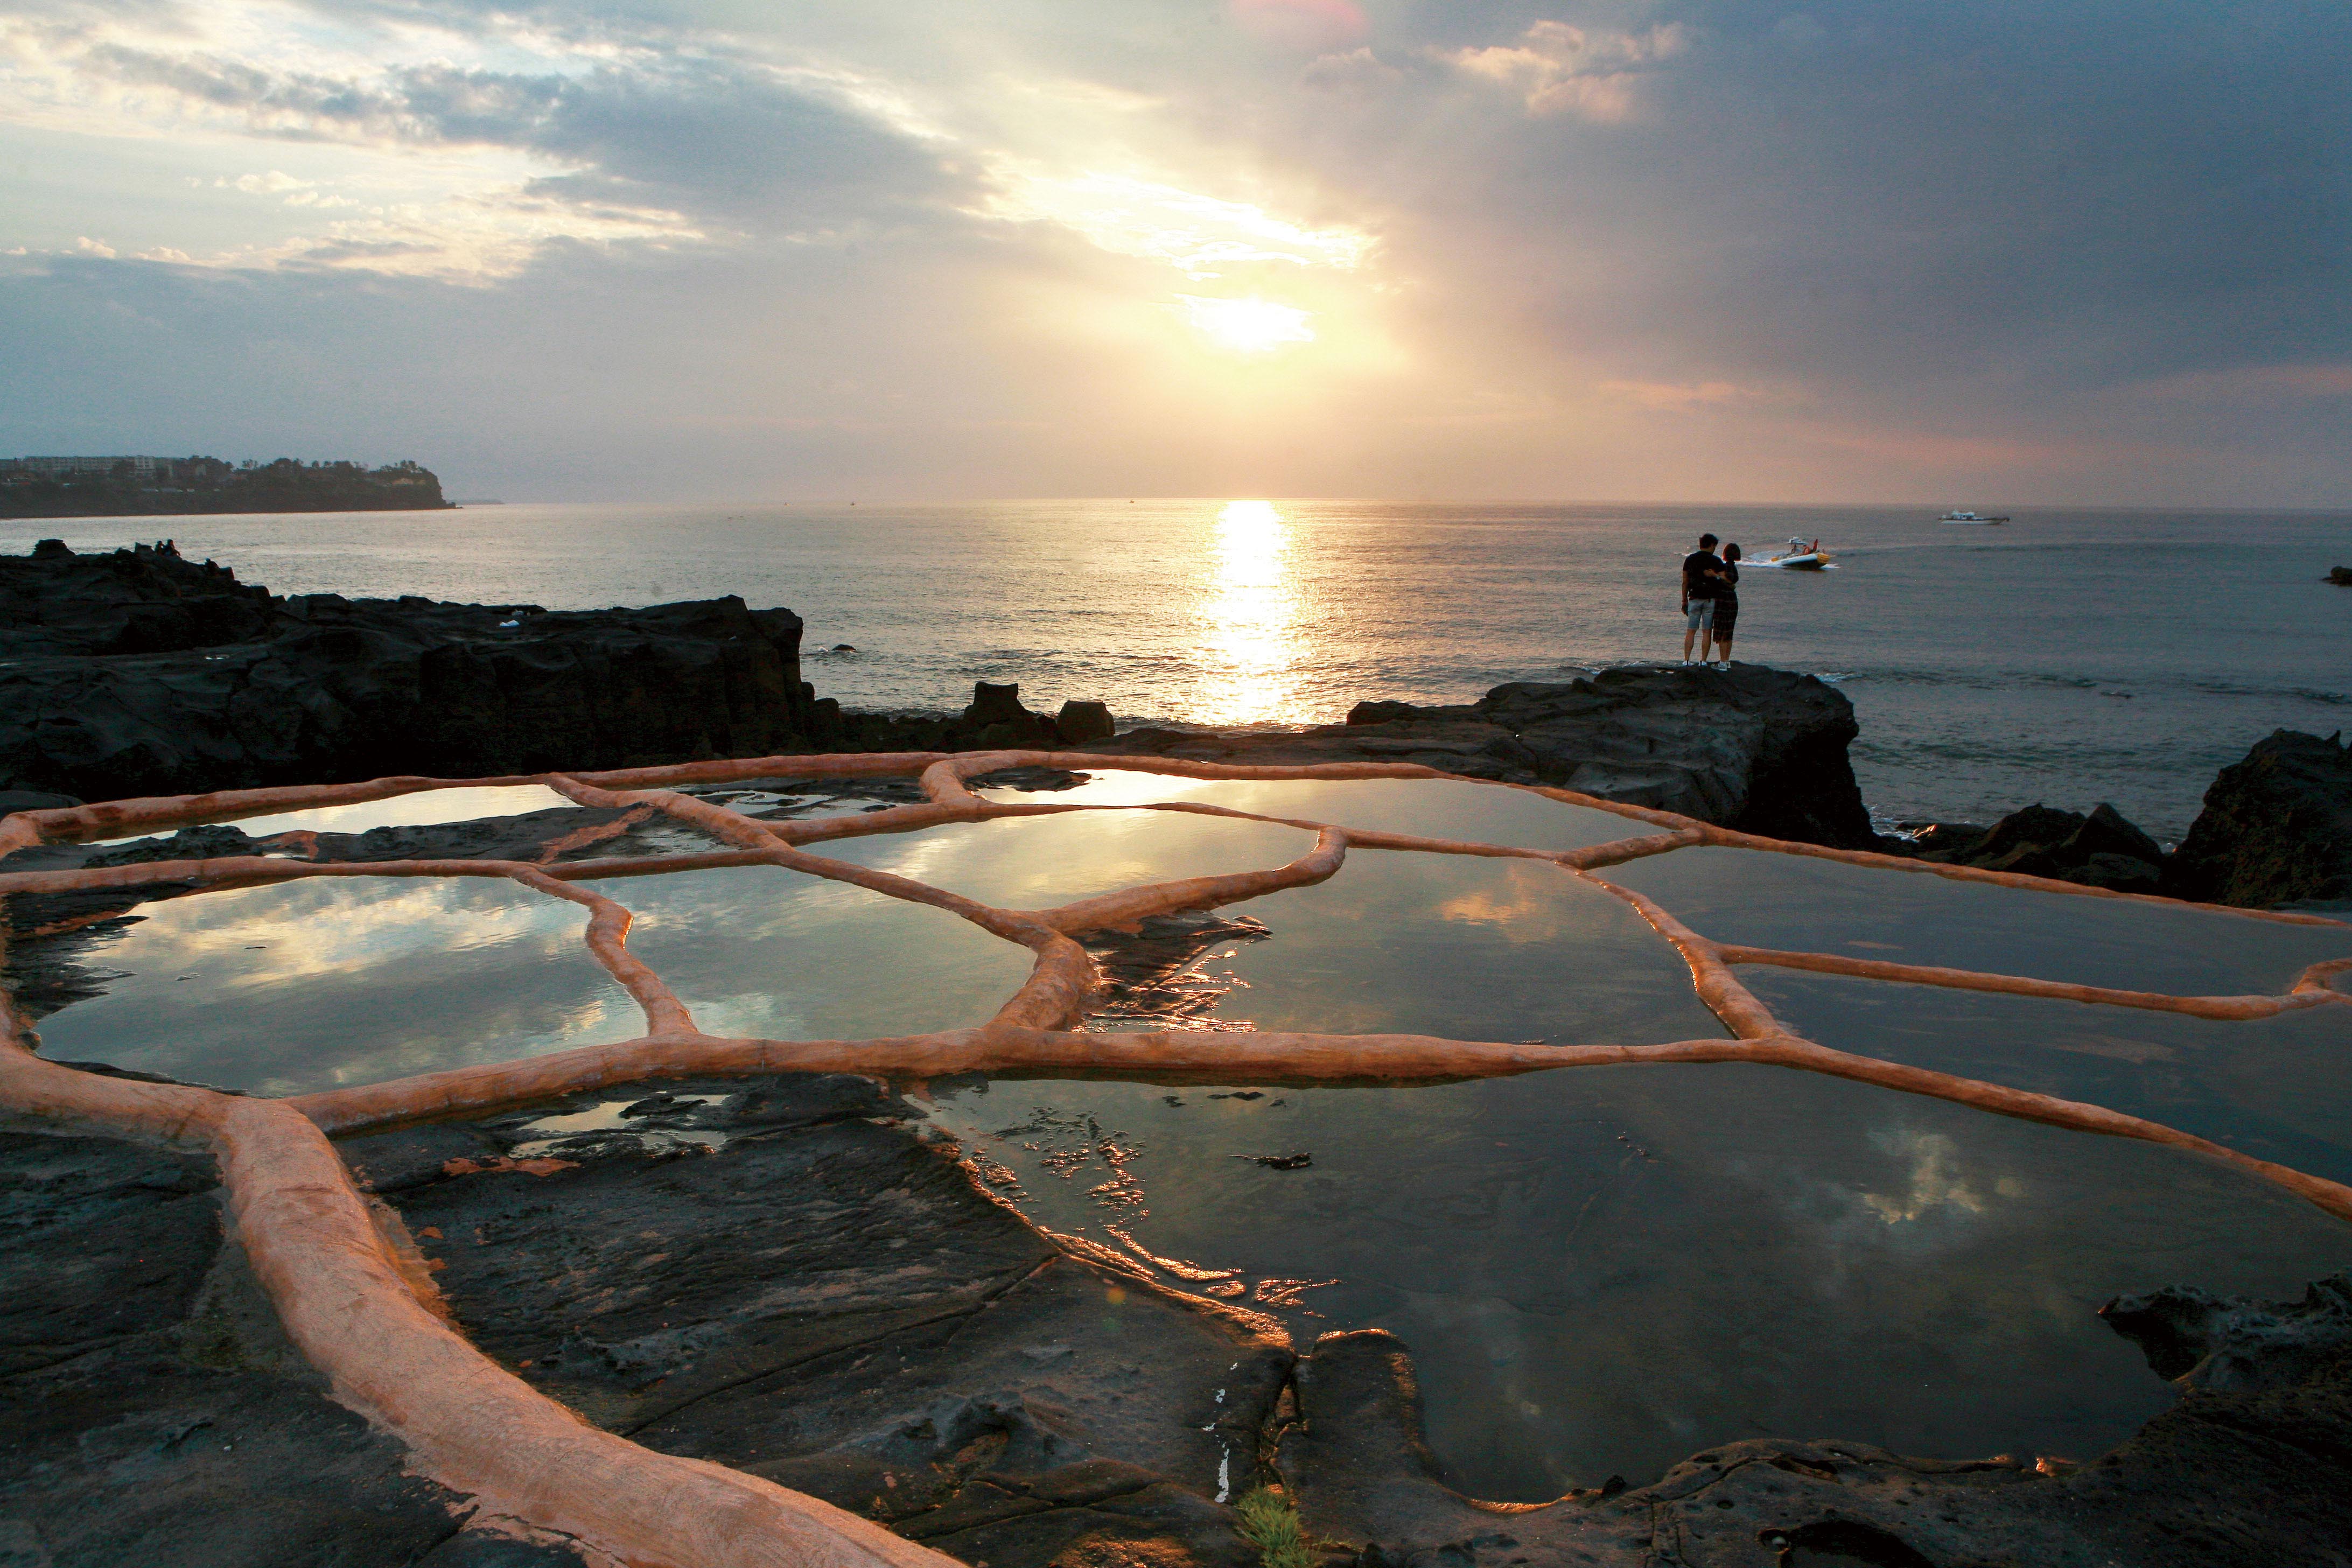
{"x": 1250, "y": 326}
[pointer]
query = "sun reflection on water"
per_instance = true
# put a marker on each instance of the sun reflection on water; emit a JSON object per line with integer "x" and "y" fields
{"x": 1248, "y": 610}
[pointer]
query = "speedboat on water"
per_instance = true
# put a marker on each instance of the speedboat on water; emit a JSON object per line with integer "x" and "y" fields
{"x": 1969, "y": 517}
{"x": 1799, "y": 557}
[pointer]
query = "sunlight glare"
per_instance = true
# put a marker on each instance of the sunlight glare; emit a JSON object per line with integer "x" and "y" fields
{"x": 1249, "y": 612}
{"x": 1250, "y": 326}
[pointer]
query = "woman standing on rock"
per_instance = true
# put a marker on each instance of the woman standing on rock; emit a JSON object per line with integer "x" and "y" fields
{"x": 1726, "y": 607}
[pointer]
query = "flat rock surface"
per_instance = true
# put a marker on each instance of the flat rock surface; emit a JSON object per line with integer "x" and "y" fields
{"x": 153, "y": 1412}
{"x": 784, "y": 1274}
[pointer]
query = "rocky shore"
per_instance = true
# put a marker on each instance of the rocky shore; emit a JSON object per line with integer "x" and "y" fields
{"x": 801, "y": 1277}
{"x": 137, "y": 672}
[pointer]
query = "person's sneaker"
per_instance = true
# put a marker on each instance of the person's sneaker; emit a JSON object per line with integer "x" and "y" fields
{"x": 1725, "y": 665}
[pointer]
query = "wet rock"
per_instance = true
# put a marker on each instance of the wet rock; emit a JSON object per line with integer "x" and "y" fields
{"x": 1081, "y": 723}
{"x": 2232, "y": 1345}
{"x": 1753, "y": 748}
{"x": 2276, "y": 829}
{"x": 2340, "y": 576}
{"x": 827, "y": 1300}
{"x": 1156, "y": 975}
{"x": 140, "y": 673}
{"x": 2102, "y": 850}
{"x": 2243, "y": 1473}
{"x": 151, "y": 1411}
{"x": 995, "y": 721}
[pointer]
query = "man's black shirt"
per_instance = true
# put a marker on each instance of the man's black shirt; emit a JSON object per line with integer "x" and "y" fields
{"x": 1696, "y": 583}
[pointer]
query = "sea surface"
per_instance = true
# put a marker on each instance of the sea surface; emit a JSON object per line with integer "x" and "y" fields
{"x": 2068, "y": 656}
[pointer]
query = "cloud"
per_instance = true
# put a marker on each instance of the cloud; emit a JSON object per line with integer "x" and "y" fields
{"x": 1557, "y": 69}
{"x": 1356, "y": 71}
{"x": 1195, "y": 233}
{"x": 1594, "y": 247}
{"x": 2259, "y": 384}
{"x": 1312, "y": 25}
{"x": 1682, "y": 397}
{"x": 276, "y": 182}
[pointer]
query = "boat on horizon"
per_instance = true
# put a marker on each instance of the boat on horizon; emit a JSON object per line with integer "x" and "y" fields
{"x": 1956, "y": 516}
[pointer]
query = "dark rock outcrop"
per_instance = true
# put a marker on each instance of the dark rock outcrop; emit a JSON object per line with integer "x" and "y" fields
{"x": 2276, "y": 829}
{"x": 2340, "y": 576}
{"x": 1758, "y": 749}
{"x": 2245, "y": 1472}
{"x": 140, "y": 673}
{"x": 2101, "y": 850}
{"x": 152, "y": 1411}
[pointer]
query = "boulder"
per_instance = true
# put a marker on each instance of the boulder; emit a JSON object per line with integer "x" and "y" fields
{"x": 1081, "y": 723}
{"x": 995, "y": 721}
{"x": 2340, "y": 576}
{"x": 2276, "y": 829}
{"x": 139, "y": 673}
{"x": 1754, "y": 748}
{"x": 2104, "y": 850}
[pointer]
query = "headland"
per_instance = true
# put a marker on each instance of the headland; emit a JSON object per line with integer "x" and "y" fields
{"x": 196, "y": 485}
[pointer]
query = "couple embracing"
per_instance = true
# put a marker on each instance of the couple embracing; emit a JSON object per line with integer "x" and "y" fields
{"x": 1710, "y": 600}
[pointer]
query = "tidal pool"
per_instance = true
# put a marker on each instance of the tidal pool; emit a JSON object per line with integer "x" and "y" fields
{"x": 1434, "y": 808}
{"x": 1466, "y": 947}
{"x": 2276, "y": 1088}
{"x": 322, "y": 983}
{"x": 761, "y": 952}
{"x": 1758, "y": 899}
{"x": 1603, "y": 1270}
{"x": 423, "y": 809}
{"x": 1040, "y": 862}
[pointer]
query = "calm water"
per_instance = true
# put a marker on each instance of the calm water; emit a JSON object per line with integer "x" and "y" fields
{"x": 2069, "y": 656}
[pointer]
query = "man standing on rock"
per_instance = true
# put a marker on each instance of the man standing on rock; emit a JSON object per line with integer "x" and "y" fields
{"x": 1702, "y": 572}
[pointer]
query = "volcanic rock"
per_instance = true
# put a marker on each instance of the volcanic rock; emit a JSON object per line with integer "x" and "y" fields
{"x": 1081, "y": 723}
{"x": 152, "y": 1411}
{"x": 1760, "y": 750}
{"x": 2101, "y": 850}
{"x": 2276, "y": 829}
{"x": 140, "y": 673}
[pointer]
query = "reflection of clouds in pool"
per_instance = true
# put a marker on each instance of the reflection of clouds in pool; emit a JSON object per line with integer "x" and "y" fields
{"x": 1936, "y": 1181}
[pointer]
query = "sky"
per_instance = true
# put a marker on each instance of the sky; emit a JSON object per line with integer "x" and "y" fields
{"x": 1964, "y": 252}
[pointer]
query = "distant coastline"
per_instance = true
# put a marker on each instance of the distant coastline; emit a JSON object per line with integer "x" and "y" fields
{"x": 182, "y": 487}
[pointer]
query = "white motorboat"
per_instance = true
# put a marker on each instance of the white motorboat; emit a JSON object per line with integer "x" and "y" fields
{"x": 1799, "y": 557}
{"x": 1969, "y": 517}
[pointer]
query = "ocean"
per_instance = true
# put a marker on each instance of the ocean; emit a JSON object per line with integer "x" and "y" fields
{"x": 2068, "y": 656}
